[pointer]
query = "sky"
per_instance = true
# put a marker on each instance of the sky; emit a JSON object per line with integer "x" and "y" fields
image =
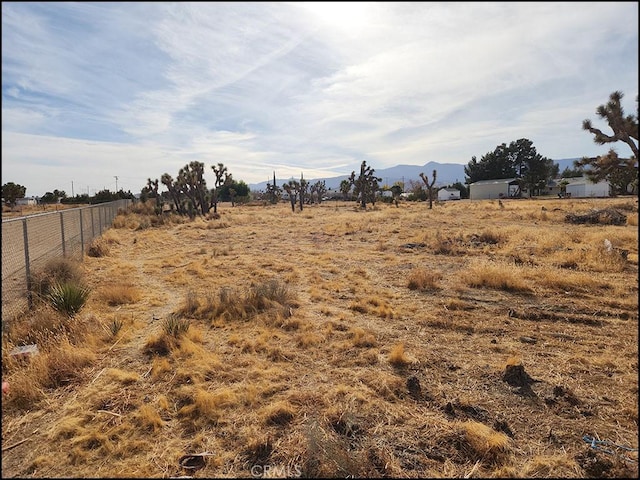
{"x": 107, "y": 95}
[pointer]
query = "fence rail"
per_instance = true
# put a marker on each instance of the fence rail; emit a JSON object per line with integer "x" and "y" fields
{"x": 28, "y": 243}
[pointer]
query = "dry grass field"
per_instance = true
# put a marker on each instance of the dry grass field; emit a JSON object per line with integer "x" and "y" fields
{"x": 24, "y": 210}
{"x": 476, "y": 339}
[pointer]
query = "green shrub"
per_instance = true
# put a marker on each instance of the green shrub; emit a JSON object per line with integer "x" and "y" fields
{"x": 68, "y": 297}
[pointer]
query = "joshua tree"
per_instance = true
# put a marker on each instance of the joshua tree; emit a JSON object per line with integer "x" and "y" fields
{"x": 193, "y": 185}
{"x": 345, "y": 187}
{"x": 292, "y": 187}
{"x": 396, "y": 190}
{"x": 625, "y": 128}
{"x": 174, "y": 192}
{"x": 152, "y": 187}
{"x": 430, "y": 187}
{"x": 317, "y": 190}
{"x": 366, "y": 184}
{"x": 303, "y": 189}
{"x": 273, "y": 190}
{"x": 222, "y": 178}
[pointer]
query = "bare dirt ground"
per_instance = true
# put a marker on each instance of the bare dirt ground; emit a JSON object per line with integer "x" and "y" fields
{"x": 364, "y": 376}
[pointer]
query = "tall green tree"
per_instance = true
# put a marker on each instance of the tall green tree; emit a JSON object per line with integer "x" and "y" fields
{"x": 53, "y": 197}
{"x": 12, "y": 192}
{"x": 518, "y": 160}
{"x": 493, "y": 165}
{"x": 533, "y": 170}
{"x": 239, "y": 187}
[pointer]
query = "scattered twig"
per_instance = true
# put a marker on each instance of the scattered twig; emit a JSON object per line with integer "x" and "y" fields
{"x": 9, "y": 447}
{"x": 14, "y": 445}
{"x": 99, "y": 373}
{"x": 121, "y": 336}
{"x": 468, "y": 475}
{"x": 110, "y": 413}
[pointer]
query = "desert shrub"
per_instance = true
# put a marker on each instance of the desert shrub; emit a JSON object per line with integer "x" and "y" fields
{"x": 68, "y": 297}
{"x": 114, "y": 326}
{"x": 175, "y": 326}
{"x": 55, "y": 271}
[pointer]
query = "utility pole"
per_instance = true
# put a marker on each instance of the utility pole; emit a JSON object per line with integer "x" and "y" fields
{"x": 116, "y": 177}
{"x": 72, "y": 189}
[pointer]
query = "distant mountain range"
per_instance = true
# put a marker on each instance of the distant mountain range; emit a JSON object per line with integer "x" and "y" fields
{"x": 447, "y": 173}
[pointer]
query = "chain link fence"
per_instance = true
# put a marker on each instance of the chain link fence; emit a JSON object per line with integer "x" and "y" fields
{"x": 28, "y": 243}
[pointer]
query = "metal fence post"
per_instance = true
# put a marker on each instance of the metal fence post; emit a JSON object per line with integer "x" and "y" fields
{"x": 64, "y": 252}
{"x": 93, "y": 224}
{"x": 26, "y": 262}
{"x": 81, "y": 236}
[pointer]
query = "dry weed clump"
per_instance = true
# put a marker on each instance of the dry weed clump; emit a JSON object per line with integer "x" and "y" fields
{"x": 492, "y": 274}
{"x": 397, "y": 356}
{"x": 59, "y": 365}
{"x": 424, "y": 279}
{"x": 56, "y": 271}
{"x": 361, "y": 338}
{"x": 119, "y": 294}
{"x": 481, "y": 442}
{"x": 272, "y": 296}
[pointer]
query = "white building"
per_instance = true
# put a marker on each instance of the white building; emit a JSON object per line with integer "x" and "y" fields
{"x": 448, "y": 194}
{"x": 26, "y": 201}
{"x": 581, "y": 187}
{"x": 492, "y": 189}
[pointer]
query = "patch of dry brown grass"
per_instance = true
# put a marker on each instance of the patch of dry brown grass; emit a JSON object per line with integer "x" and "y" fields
{"x": 303, "y": 348}
{"x": 482, "y": 273}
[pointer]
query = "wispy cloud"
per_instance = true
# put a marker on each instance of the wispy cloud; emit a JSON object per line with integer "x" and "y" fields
{"x": 94, "y": 90}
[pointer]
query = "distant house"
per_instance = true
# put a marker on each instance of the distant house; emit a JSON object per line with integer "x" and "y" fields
{"x": 492, "y": 189}
{"x": 26, "y": 201}
{"x": 448, "y": 194}
{"x": 581, "y": 187}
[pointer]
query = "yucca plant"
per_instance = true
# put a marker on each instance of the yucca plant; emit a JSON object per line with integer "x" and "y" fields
{"x": 68, "y": 297}
{"x": 115, "y": 326}
{"x": 175, "y": 326}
